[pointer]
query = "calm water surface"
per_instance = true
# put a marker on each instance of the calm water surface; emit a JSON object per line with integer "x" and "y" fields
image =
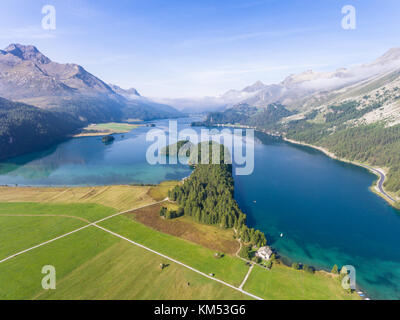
{"x": 326, "y": 213}
{"x": 88, "y": 161}
{"x": 323, "y": 207}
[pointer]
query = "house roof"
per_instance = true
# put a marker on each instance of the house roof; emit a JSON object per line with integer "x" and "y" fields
{"x": 265, "y": 249}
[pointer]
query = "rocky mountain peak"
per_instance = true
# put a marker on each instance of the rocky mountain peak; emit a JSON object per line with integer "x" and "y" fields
{"x": 390, "y": 56}
{"x": 128, "y": 93}
{"x": 301, "y": 77}
{"x": 28, "y": 52}
{"x": 255, "y": 86}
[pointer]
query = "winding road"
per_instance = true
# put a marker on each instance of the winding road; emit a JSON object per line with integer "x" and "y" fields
{"x": 380, "y": 182}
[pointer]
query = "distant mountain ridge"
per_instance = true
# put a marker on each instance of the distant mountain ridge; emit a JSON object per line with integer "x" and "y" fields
{"x": 127, "y": 93}
{"x": 43, "y": 102}
{"x": 298, "y": 91}
{"x": 354, "y": 113}
{"x": 26, "y": 75}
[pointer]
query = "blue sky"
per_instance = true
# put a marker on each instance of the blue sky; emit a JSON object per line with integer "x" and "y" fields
{"x": 200, "y": 48}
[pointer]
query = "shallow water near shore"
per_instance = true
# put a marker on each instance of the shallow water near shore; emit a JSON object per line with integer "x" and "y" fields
{"x": 322, "y": 206}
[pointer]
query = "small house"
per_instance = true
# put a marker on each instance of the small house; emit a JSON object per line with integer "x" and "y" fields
{"x": 264, "y": 253}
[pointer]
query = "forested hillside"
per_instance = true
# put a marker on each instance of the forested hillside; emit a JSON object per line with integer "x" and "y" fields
{"x": 344, "y": 128}
{"x": 97, "y": 110}
{"x": 248, "y": 115}
{"x": 24, "y": 128}
{"x": 374, "y": 144}
{"x": 208, "y": 197}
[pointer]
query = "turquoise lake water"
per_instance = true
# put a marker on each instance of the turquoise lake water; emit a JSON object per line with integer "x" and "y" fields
{"x": 322, "y": 207}
{"x": 326, "y": 213}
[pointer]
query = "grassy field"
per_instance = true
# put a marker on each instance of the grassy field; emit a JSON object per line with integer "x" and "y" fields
{"x": 228, "y": 268}
{"x": 24, "y": 225}
{"x": 21, "y": 276}
{"x": 20, "y": 233}
{"x": 282, "y": 282}
{"x": 124, "y": 271}
{"x": 119, "y": 197}
{"x": 93, "y": 264}
{"x": 160, "y": 192}
{"x": 106, "y": 128}
{"x": 212, "y": 237}
{"x": 113, "y": 126}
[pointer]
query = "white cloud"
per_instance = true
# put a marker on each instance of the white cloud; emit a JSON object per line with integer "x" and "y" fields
{"x": 193, "y": 104}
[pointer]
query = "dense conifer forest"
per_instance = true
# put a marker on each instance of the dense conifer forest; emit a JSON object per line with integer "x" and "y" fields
{"x": 25, "y": 128}
{"x": 208, "y": 197}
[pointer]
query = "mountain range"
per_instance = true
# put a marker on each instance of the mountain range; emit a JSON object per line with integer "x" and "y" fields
{"x": 42, "y": 102}
{"x": 28, "y": 76}
{"x": 298, "y": 92}
{"x": 309, "y": 89}
{"x": 369, "y": 85}
{"x": 354, "y": 113}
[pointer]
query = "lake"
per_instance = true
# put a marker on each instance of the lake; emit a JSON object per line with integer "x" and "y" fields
{"x": 323, "y": 207}
{"x": 326, "y": 213}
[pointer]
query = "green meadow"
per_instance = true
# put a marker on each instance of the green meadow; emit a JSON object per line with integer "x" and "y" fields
{"x": 21, "y": 276}
{"x": 114, "y": 126}
{"x": 24, "y": 225}
{"x": 91, "y": 212}
{"x": 124, "y": 271}
{"x": 282, "y": 282}
{"x": 93, "y": 264}
{"x": 228, "y": 268}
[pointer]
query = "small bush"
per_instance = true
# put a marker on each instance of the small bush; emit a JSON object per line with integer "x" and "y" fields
{"x": 308, "y": 269}
{"x": 296, "y": 265}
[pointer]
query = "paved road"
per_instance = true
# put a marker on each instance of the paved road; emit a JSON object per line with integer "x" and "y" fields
{"x": 381, "y": 180}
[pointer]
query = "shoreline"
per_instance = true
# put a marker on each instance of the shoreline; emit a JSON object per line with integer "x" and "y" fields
{"x": 381, "y": 173}
{"x": 104, "y": 129}
{"x": 376, "y": 188}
